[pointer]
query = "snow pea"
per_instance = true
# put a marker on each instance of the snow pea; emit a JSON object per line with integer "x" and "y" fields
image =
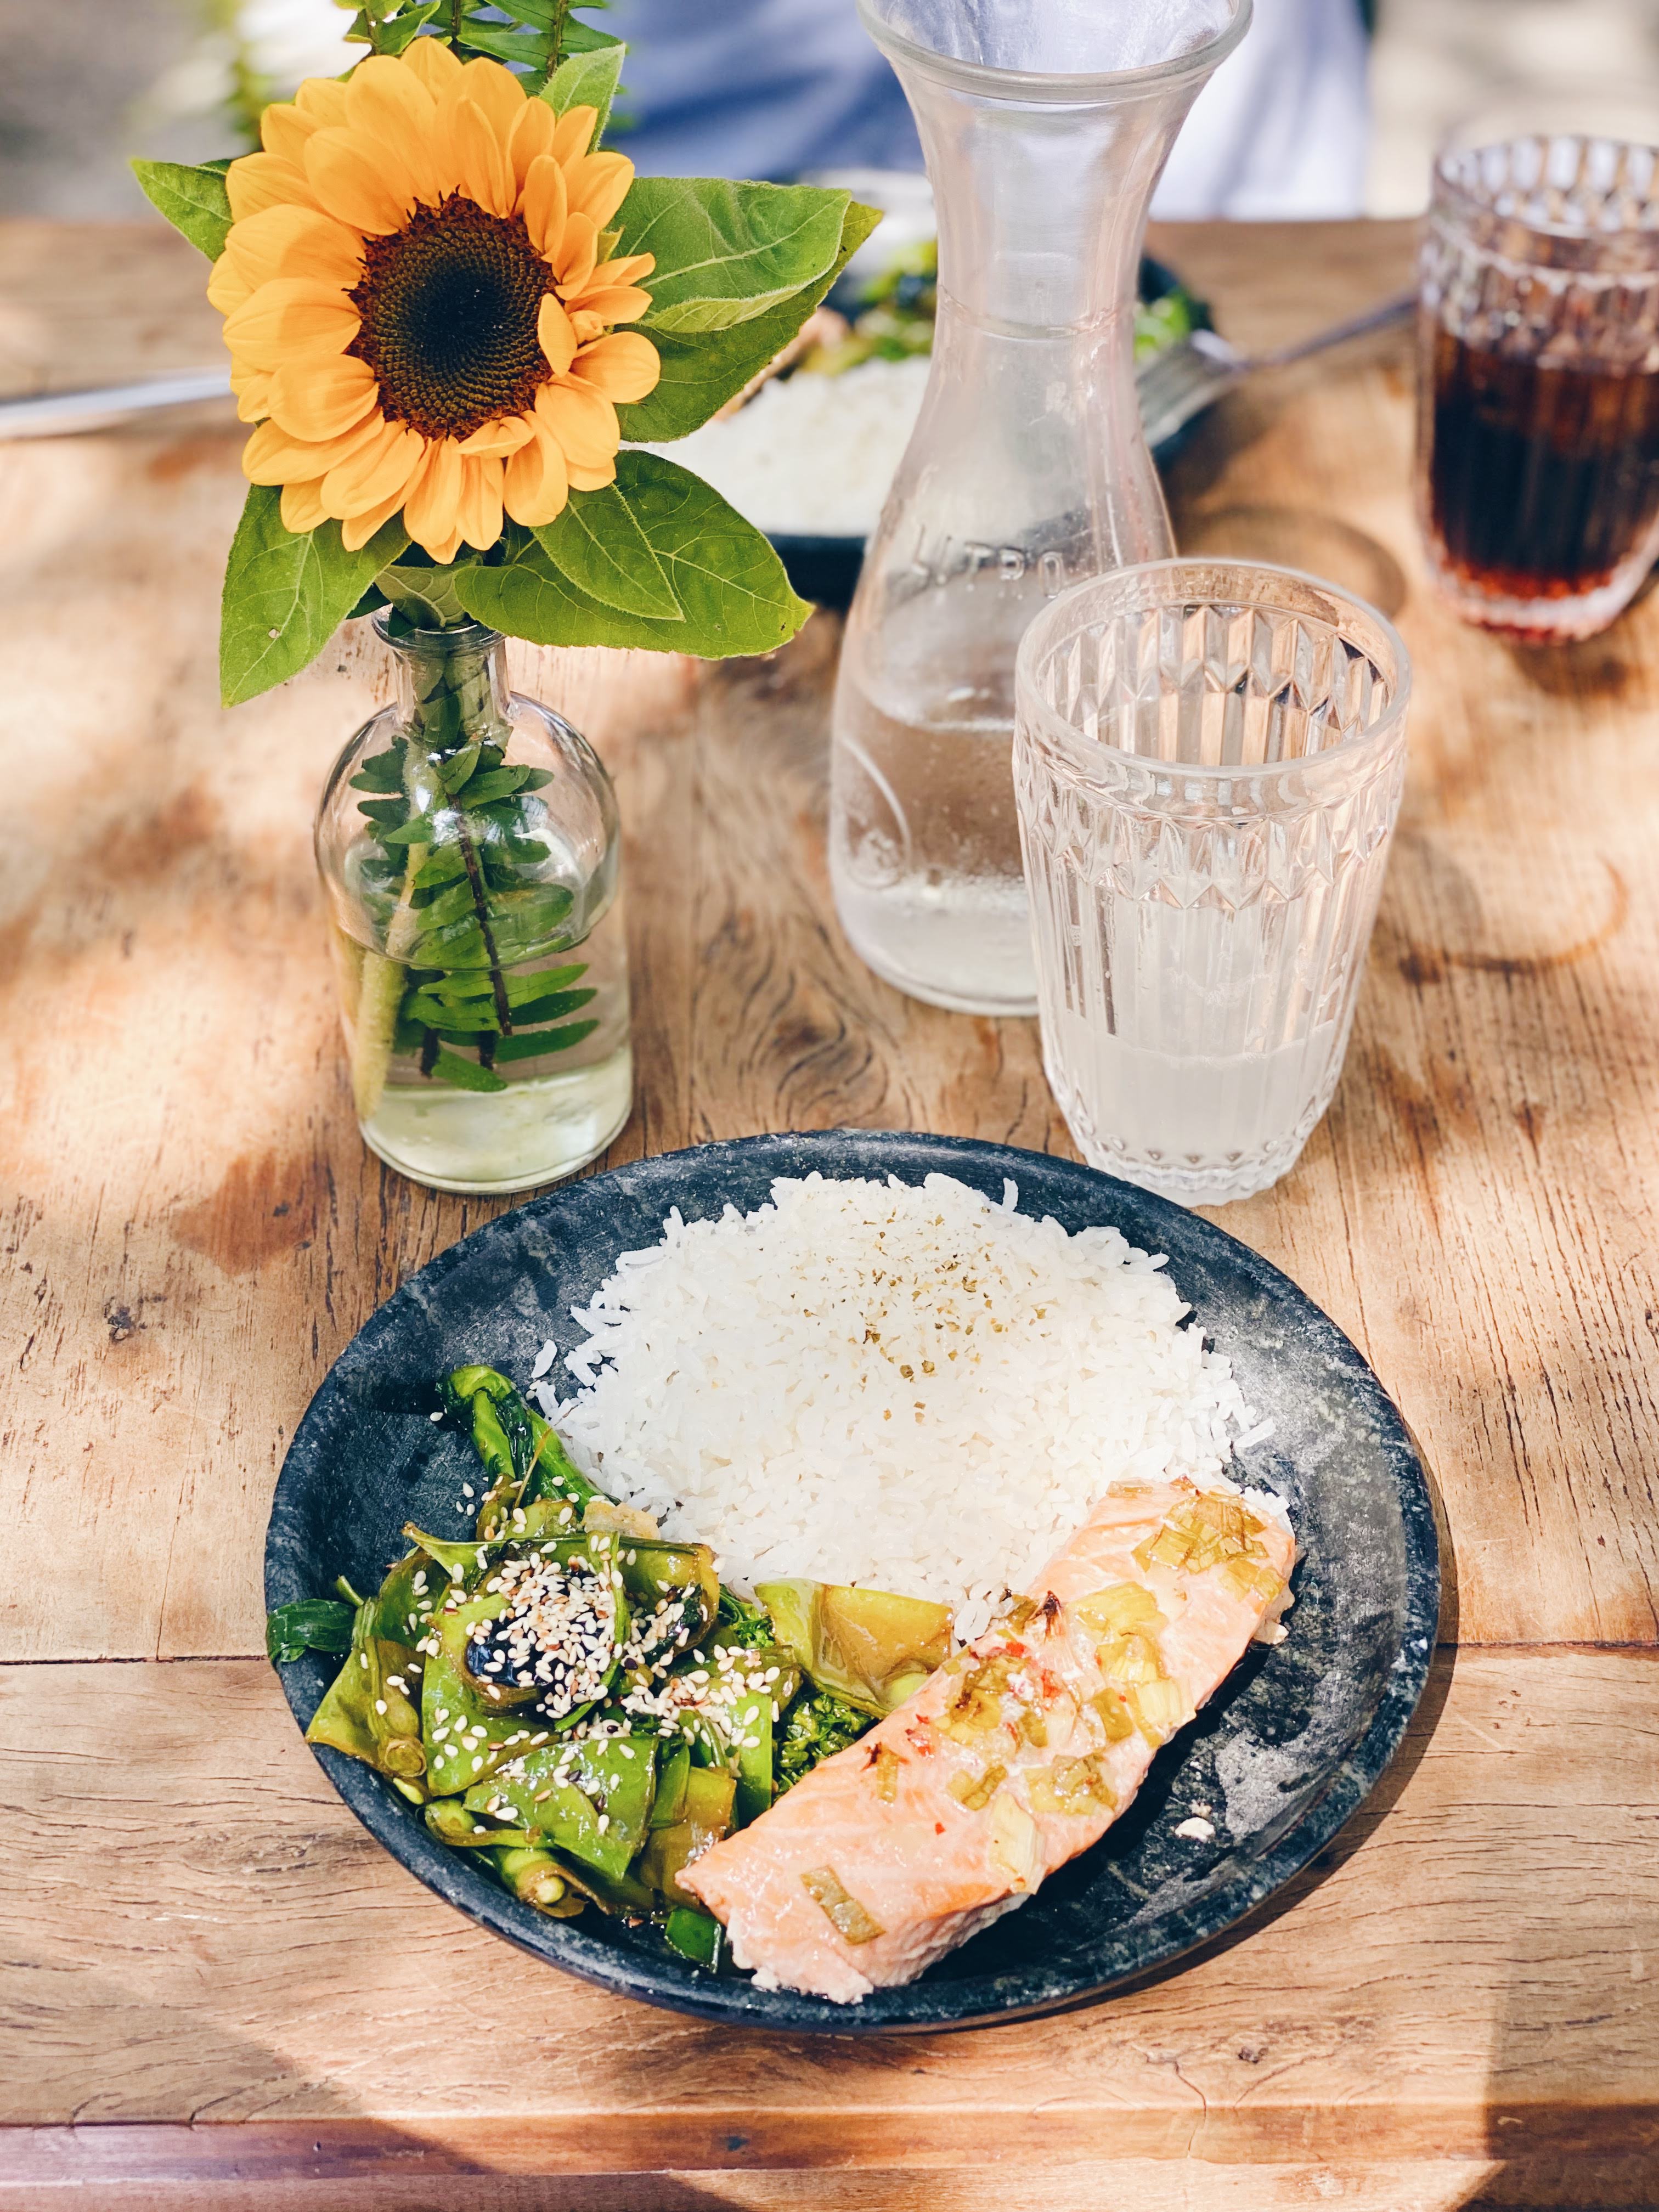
{"x": 589, "y": 1800}
{"x": 368, "y": 1711}
{"x": 710, "y": 1799}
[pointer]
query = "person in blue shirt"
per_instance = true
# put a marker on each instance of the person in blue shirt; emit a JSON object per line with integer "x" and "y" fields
{"x": 780, "y": 89}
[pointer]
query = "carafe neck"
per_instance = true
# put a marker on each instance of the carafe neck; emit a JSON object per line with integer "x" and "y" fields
{"x": 1042, "y": 207}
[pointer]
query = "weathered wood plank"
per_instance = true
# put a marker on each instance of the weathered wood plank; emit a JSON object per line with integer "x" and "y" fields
{"x": 205, "y": 1937}
{"x": 1583, "y": 2185}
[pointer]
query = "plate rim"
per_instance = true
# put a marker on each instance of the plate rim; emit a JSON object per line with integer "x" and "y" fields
{"x": 677, "y": 1986}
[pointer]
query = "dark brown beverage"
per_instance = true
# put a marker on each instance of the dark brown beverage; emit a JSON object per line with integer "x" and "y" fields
{"x": 1542, "y": 481}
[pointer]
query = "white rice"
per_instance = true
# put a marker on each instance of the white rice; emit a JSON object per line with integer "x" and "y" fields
{"x": 812, "y": 455}
{"x": 915, "y": 1389}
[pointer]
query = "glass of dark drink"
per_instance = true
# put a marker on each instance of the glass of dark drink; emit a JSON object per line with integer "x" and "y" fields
{"x": 1538, "y": 397}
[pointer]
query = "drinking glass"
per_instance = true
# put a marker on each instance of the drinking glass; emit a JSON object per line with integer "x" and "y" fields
{"x": 1538, "y": 398}
{"x": 1208, "y": 757}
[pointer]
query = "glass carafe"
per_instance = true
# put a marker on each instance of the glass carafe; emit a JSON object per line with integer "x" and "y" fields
{"x": 1027, "y": 470}
{"x": 468, "y": 846}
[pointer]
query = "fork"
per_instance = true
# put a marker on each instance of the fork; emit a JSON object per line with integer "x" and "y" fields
{"x": 1184, "y": 379}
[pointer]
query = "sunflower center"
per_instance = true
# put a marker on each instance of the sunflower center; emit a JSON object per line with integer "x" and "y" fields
{"x": 448, "y": 307}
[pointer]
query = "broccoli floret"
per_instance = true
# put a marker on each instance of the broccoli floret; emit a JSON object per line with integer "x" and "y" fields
{"x": 816, "y": 1726}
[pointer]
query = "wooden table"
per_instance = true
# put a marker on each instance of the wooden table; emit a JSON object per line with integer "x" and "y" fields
{"x": 217, "y": 1991}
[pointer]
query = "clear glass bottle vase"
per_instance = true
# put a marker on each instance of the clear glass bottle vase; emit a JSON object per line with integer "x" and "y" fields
{"x": 468, "y": 846}
{"x": 1028, "y": 469}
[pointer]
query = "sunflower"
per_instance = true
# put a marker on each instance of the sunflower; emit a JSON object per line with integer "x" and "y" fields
{"x": 419, "y": 302}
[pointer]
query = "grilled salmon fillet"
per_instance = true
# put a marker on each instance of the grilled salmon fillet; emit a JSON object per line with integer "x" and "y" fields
{"x": 1018, "y": 1755}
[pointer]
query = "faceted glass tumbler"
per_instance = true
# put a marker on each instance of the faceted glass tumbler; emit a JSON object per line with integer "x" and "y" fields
{"x": 1208, "y": 759}
{"x": 1538, "y": 382}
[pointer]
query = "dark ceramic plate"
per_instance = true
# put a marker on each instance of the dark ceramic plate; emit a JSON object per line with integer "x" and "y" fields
{"x": 826, "y": 569}
{"x": 1282, "y": 1756}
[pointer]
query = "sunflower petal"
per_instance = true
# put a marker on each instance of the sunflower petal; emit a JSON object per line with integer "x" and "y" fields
{"x": 623, "y": 366}
{"x": 593, "y": 479}
{"x": 386, "y": 103}
{"x": 617, "y": 303}
{"x": 324, "y": 97}
{"x": 357, "y": 529}
{"x": 558, "y": 340}
{"x": 431, "y": 502}
{"x": 261, "y": 180}
{"x": 291, "y": 319}
{"x": 302, "y": 507}
{"x": 582, "y": 419}
{"x": 531, "y": 138}
{"x": 321, "y": 399}
{"x": 286, "y": 241}
{"x": 380, "y": 467}
{"x": 624, "y": 269}
{"x": 348, "y": 182}
{"x": 537, "y": 483}
{"x": 271, "y": 456}
{"x": 252, "y": 389}
{"x": 438, "y": 68}
{"x": 283, "y": 129}
{"x": 480, "y": 161}
{"x": 544, "y": 204}
{"x": 574, "y": 133}
{"x": 496, "y": 440}
{"x": 492, "y": 87}
{"x": 480, "y": 510}
{"x": 229, "y": 286}
{"x": 577, "y": 254}
{"x": 600, "y": 184}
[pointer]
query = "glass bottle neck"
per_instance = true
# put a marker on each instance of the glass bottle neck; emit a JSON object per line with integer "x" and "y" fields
{"x": 452, "y": 684}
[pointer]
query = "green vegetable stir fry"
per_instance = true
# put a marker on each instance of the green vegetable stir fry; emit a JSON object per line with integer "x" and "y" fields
{"x": 583, "y": 1704}
{"x": 895, "y": 317}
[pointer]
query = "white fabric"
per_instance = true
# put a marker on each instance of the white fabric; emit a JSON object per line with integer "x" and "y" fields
{"x": 1282, "y": 130}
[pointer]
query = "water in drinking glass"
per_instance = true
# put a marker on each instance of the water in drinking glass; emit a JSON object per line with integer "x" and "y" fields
{"x": 1208, "y": 758}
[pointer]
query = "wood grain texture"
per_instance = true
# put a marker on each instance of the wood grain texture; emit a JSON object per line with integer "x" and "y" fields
{"x": 402, "y": 2183}
{"x": 196, "y": 1230}
{"x": 208, "y": 1967}
{"x": 208, "y": 1937}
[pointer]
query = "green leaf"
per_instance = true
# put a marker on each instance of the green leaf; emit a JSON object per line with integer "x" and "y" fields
{"x": 443, "y": 862}
{"x": 454, "y": 772}
{"x": 549, "y": 1009}
{"x": 520, "y": 922}
{"x": 448, "y": 906}
{"x": 404, "y": 29}
{"x": 582, "y": 38}
{"x": 588, "y": 80}
{"x": 527, "y": 50}
{"x": 700, "y": 374}
{"x": 599, "y": 544}
{"x": 730, "y": 582}
{"x": 419, "y": 829}
{"x": 464, "y": 1075}
{"x": 309, "y": 1624}
{"x": 536, "y": 1042}
{"x": 286, "y": 593}
{"x": 494, "y": 783}
{"x": 193, "y": 200}
{"x": 381, "y": 771}
{"x": 727, "y": 252}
